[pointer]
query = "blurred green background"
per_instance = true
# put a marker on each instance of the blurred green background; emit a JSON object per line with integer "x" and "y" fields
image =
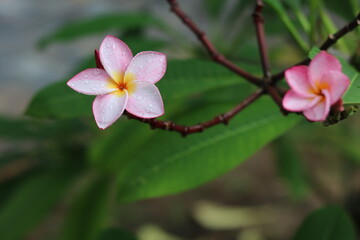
{"x": 62, "y": 178}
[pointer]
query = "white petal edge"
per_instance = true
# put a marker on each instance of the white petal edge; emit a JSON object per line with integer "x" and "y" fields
{"x": 115, "y": 56}
{"x": 92, "y": 81}
{"x": 109, "y": 107}
{"x": 148, "y": 66}
{"x": 145, "y": 101}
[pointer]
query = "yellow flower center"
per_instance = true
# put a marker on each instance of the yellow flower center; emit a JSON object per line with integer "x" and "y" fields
{"x": 122, "y": 82}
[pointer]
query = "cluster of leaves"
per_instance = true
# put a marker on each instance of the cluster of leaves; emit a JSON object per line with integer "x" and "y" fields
{"x": 72, "y": 164}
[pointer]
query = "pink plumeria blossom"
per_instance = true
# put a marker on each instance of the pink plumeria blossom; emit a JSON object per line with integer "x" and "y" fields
{"x": 315, "y": 88}
{"x": 122, "y": 82}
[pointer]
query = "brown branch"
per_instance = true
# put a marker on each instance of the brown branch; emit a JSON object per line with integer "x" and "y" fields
{"x": 210, "y": 48}
{"x": 267, "y": 83}
{"x": 332, "y": 39}
{"x": 186, "y": 130}
{"x": 260, "y": 35}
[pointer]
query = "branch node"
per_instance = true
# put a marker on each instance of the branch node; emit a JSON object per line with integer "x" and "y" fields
{"x": 223, "y": 119}
{"x": 185, "y": 132}
{"x": 152, "y": 123}
{"x": 201, "y": 127}
{"x": 168, "y": 125}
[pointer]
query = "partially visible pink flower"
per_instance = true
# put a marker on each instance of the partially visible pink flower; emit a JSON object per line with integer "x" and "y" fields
{"x": 315, "y": 88}
{"x": 121, "y": 82}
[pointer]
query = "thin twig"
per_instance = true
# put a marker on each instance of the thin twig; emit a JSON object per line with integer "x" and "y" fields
{"x": 267, "y": 83}
{"x": 260, "y": 35}
{"x": 332, "y": 39}
{"x": 186, "y": 130}
{"x": 210, "y": 48}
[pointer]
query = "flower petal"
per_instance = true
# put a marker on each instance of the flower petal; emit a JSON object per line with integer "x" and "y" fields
{"x": 297, "y": 78}
{"x": 145, "y": 100}
{"x": 115, "y": 56}
{"x": 295, "y": 103}
{"x": 109, "y": 107}
{"x": 148, "y": 66}
{"x": 320, "y": 111}
{"x": 322, "y": 63}
{"x": 336, "y": 83}
{"x": 92, "y": 81}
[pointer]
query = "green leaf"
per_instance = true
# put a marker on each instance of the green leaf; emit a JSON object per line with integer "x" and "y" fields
{"x": 290, "y": 167}
{"x": 328, "y": 223}
{"x": 31, "y": 203}
{"x": 296, "y": 6}
{"x": 352, "y": 95}
{"x": 214, "y": 7}
{"x": 183, "y": 78}
{"x": 98, "y": 25}
{"x": 167, "y": 163}
{"x": 341, "y": 8}
{"x": 19, "y": 128}
{"x": 116, "y": 234}
{"x": 106, "y": 153}
{"x": 283, "y": 14}
{"x": 58, "y": 101}
{"x": 88, "y": 211}
{"x": 313, "y": 52}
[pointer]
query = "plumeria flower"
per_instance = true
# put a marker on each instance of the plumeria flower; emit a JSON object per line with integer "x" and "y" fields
{"x": 122, "y": 82}
{"x": 315, "y": 88}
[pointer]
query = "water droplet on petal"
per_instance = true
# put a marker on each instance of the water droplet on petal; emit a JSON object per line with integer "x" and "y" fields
{"x": 86, "y": 82}
{"x": 111, "y": 106}
{"x": 96, "y": 72}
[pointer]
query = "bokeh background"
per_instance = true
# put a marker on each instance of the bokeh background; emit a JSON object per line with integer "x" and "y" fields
{"x": 265, "y": 198}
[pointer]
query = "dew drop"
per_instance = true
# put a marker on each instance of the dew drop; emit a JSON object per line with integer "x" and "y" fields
{"x": 108, "y": 45}
{"x": 86, "y": 82}
{"x": 111, "y": 106}
{"x": 96, "y": 72}
{"x": 103, "y": 111}
{"x": 86, "y": 76}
